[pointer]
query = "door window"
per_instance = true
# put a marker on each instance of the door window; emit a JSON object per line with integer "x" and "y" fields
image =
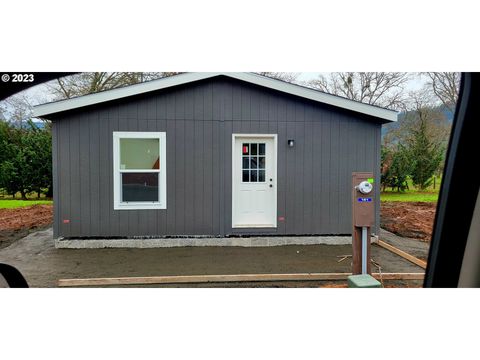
{"x": 253, "y": 162}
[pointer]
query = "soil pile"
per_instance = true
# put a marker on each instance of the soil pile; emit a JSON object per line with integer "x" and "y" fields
{"x": 19, "y": 222}
{"x": 408, "y": 219}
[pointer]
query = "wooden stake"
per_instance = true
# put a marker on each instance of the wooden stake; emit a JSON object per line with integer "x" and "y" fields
{"x": 192, "y": 279}
{"x": 403, "y": 254}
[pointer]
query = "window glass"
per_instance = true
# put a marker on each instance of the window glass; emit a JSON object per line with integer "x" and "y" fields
{"x": 261, "y": 149}
{"x": 251, "y": 162}
{"x": 261, "y": 162}
{"x": 139, "y": 187}
{"x": 261, "y": 175}
{"x": 139, "y": 154}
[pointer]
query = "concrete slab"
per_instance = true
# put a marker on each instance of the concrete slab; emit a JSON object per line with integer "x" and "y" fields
{"x": 202, "y": 241}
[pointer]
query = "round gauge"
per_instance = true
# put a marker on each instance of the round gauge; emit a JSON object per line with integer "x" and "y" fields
{"x": 365, "y": 187}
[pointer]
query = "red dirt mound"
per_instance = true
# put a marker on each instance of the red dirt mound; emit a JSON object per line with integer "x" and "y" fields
{"x": 19, "y": 222}
{"x": 26, "y": 217}
{"x": 408, "y": 219}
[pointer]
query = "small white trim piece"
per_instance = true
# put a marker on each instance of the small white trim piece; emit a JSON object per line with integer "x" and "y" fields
{"x": 162, "y": 204}
{"x": 275, "y": 161}
{"x": 298, "y": 90}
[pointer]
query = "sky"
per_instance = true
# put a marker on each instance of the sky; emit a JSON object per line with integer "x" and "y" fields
{"x": 39, "y": 94}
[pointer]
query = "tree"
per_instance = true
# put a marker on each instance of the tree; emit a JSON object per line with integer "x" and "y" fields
{"x": 13, "y": 177}
{"x": 385, "y": 164}
{"x": 16, "y": 109}
{"x": 384, "y": 89}
{"x": 426, "y": 156}
{"x": 93, "y": 82}
{"x": 445, "y": 86}
{"x": 25, "y": 161}
{"x": 39, "y": 158}
{"x": 290, "y": 77}
{"x": 396, "y": 167}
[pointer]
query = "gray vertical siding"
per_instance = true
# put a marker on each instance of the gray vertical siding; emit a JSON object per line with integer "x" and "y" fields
{"x": 313, "y": 184}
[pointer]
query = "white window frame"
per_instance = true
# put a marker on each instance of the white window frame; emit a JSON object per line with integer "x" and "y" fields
{"x": 162, "y": 177}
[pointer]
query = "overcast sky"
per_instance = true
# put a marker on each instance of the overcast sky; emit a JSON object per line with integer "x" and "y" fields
{"x": 39, "y": 94}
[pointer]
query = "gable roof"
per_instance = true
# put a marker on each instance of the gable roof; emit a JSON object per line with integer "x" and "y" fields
{"x": 260, "y": 80}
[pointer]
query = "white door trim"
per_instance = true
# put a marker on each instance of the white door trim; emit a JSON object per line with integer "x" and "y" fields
{"x": 275, "y": 158}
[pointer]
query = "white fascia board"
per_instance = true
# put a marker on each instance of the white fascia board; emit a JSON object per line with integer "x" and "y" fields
{"x": 315, "y": 95}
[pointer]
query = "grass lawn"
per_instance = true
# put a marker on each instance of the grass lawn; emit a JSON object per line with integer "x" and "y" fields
{"x": 11, "y": 204}
{"x": 409, "y": 196}
{"x": 412, "y": 194}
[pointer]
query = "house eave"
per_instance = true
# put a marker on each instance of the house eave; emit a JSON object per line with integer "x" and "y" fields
{"x": 42, "y": 111}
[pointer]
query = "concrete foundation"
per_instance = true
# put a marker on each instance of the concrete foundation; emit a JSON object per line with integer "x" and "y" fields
{"x": 62, "y": 243}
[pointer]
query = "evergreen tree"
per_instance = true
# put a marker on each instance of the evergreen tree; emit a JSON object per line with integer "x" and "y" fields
{"x": 400, "y": 169}
{"x": 426, "y": 156}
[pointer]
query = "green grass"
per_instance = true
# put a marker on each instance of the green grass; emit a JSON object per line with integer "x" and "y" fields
{"x": 12, "y": 204}
{"x": 409, "y": 196}
{"x": 412, "y": 194}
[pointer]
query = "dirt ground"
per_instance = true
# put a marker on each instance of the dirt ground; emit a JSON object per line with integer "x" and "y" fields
{"x": 408, "y": 219}
{"x": 18, "y": 223}
{"x": 42, "y": 264}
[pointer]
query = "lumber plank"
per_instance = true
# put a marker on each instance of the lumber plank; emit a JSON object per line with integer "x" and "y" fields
{"x": 147, "y": 280}
{"x": 403, "y": 254}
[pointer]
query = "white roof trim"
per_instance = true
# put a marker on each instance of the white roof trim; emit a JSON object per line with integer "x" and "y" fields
{"x": 315, "y": 95}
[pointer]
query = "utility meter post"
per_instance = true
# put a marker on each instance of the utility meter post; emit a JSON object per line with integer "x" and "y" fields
{"x": 363, "y": 215}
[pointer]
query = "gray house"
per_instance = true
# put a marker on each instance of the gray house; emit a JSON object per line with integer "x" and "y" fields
{"x": 210, "y": 154}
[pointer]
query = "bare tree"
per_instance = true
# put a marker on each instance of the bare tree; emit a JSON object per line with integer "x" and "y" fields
{"x": 290, "y": 77}
{"x": 93, "y": 82}
{"x": 445, "y": 86}
{"x": 384, "y": 89}
{"x": 16, "y": 108}
{"x": 422, "y": 110}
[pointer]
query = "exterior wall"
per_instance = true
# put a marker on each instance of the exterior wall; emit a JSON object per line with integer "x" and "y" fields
{"x": 313, "y": 182}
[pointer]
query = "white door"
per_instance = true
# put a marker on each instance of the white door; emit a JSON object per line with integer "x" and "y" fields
{"x": 254, "y": 190}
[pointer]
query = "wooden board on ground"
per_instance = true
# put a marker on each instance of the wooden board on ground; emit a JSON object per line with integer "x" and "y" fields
{"x": 147, "y": 280}
{"x": 403, "y": 254}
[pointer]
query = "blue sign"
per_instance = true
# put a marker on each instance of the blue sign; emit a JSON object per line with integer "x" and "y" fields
{"x": 364, "y": 199}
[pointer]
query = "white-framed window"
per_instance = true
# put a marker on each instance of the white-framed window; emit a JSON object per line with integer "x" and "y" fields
{"x": 139, "y": 170}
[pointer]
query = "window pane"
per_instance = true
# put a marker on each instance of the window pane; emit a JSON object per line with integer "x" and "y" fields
{"x": 245, "y": 162}
{"x": 245, "y": 175}
{"x": 261, "y": 149}
{"x": 261, "y": 175}
{"x": 253, "y": 148}
{"x": 253, "y": 175}
{"x": 245, "y": 149}
{"x": 139, "y": 154}
{"x": 261, "y": 162}
{"x": 253, "y": 162}
{"x": 139, "y": 187}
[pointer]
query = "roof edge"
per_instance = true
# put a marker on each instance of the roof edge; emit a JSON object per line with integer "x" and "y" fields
{"x": 163, "y": 83}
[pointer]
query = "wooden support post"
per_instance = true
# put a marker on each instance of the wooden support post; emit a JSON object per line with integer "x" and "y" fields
{"x": 363, "y": 215}
{"x": 357, "y": 251}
